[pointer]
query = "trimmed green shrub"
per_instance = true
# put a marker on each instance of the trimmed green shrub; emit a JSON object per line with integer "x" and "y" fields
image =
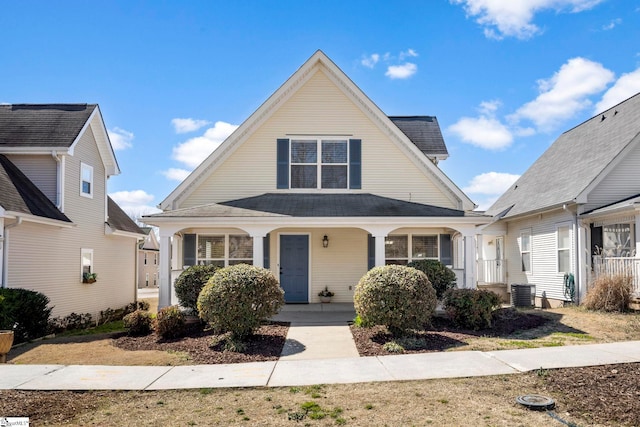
{"x": 442, "y": 278}
{"x": 471, "y": 308}
{"x": 398, "y": 297}
{"x": 238, "y": 298}
{"x": 610, "y": 293}
{"x": 138, "y": 323}
{"x": 170, "y": 322}
{"x": 25, "y": 312}
{"x": 190, "y": 282}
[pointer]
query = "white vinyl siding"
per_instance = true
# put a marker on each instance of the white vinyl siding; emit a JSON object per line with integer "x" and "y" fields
{"x": 320, "y": 108}
{"x": 42, "y": 170}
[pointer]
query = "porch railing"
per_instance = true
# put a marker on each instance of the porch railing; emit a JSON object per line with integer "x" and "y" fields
{"x": 610, "y": 266}
{"x": 492, "y": 270}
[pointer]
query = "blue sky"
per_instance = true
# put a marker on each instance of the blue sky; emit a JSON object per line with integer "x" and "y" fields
{"x": 173, "y": 79}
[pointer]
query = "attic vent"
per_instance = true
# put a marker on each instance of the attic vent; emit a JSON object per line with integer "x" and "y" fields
{"x": 615, "y": 112}
{"x": 603, "y": 117}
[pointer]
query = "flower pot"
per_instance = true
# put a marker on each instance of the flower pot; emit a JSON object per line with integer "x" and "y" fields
{"x": 88, "y": 280}
{"x": 325, "y": 299}
{"x": 6, "y": 341}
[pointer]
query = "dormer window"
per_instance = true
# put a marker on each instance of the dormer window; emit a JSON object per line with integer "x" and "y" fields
{"x": 319, "y": 163}
{"x": 86, "y": 180}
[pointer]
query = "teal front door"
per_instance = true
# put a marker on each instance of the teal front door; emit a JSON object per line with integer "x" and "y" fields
{"x": 294, "y": 267}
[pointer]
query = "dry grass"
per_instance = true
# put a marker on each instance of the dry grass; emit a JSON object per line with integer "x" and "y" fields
{"x": 477, "y": 401}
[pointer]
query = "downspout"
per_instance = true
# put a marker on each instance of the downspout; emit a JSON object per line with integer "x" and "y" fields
{"x": 578, "y": 251}
{"x": 59, "y": 180}
{"x": 5, "y": 252}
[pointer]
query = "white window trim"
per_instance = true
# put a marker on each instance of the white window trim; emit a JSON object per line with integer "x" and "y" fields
{"x": 83, "y": 167}
{"x": 89, "y": 252}
{"x": 529, "y": 232}
{"x": 226, "y": 258}
{"x": 318, "y": 163}
{"x": 568, "y": 225}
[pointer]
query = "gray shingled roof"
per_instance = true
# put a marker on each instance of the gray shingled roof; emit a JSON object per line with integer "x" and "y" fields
{"x": 314, "y": 205}
{"x": 19, "y": 194}
{"x": 424, "y": 132}
{"x": 119, "y": 220}
{"x": 573, "y": 161}
{"x": 46, "y": 125}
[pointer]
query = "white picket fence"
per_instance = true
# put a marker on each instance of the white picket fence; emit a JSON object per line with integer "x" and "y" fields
{"x": 611, "y": 266}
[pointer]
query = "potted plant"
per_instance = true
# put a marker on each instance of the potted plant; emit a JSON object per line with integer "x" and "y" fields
{"x": 89, "y": 277}
{"x": 325, "y": 295}
{"x": 6, "y": 341}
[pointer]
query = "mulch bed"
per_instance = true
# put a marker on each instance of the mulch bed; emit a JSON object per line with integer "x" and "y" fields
{"x": 443, "y": 334}
{"x": 205, "y": 347}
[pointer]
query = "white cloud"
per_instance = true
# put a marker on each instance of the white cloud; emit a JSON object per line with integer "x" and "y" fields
{"x": 626, "y": 86}
{"x": 135, "y": 203}
{"x": 120, "y": 138}
{"x": 611, "y": 25}
{"x": 403, "y": 71}
{"x": 176, "y": 174}
{"x": 513, "y": 18}
{"x": 484, "y": 132}
{"x": 491, "y": 183}
{"x": 371, "y": 60}
{"x": 193, "y": 151}
{"x": 564, "y": 94}
{"x": 188, "y": 125}
{"x": 407, "y": 54}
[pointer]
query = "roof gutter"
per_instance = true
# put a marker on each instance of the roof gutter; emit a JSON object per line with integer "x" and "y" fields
{"x": 5, "y": 253}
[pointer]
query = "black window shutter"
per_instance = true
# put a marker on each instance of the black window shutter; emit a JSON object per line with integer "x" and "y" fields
{"x": 371, "y": 252}
{"x": 445, "y": 249}
{"x": 355, "y": 164}
{"x": 266, "y": 246}
{"x": 189, "y": 249}
{"x": 283, "y": 163}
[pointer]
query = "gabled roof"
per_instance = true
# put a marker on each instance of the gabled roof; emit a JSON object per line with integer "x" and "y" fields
{"x": 313, "y": 205}
{"x": 319, "y": 61}
{"x": 21, "y": 196}
{"x": 576, "y": 161}
{"x": 37, "y": 128}
{"x": 118, "y": 220}
{"x": 425, "y": 133}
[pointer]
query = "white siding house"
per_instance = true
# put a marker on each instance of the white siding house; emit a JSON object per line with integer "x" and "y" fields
{"x": 56, "y": 220}
{"x": 580, "y": 204}
{"x": 319, "y": 185}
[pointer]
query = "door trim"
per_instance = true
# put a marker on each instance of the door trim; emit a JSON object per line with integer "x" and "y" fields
{"x": 309, "y": 256}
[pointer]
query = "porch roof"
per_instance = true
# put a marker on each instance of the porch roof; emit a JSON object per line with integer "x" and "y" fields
{"x": 314, "y": 205}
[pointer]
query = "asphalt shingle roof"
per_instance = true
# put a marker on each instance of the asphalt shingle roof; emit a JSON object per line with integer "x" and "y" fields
{"x": 45, "y": 125}
{"x": 573, "y": 161}
{"x": 119, "y": 220}
{"x": 424, "y": 132}
{"x": 314, "y": 205}
{"x": 19, "y": 194}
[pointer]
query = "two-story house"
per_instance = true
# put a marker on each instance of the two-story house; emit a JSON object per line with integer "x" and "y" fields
{"x": 148, "y": 259}
{"x": 56, "y": 221}
{"x": 319, "y": 185}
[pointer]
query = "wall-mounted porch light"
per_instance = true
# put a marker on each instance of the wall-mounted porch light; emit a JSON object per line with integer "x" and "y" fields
{"x": 325, "y": 241}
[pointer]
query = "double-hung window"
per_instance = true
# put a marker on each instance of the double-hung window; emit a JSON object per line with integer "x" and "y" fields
{"x": 564, "y": 249}
{"x": 224, "y": 250}
{"x": 525, "y": 249}
{"x": 319, "y": 163}
{"x": 86, "y": 180}
{"x": 402, "y": 248}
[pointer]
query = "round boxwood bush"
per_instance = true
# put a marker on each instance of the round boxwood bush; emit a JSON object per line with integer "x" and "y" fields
{"x": 398, "y": 297}
{"x": 138, "y": 323}
{"x": 442, "y": 278}
{"x": 238, "y": 298}
{"x": 471, "y": 308}
{"x": 170, "y": 322}
{"x": 190, "y": 283}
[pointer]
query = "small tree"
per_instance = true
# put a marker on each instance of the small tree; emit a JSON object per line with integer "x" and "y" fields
{"x": 398, "y": 297}
{"x": 190, "y": 283}
{"x": 441, "y": 277}
{"x": 238, "y": 298}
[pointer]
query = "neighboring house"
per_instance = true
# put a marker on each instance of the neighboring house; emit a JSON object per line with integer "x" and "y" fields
{"x": 575, "y": 211}
{"x": 56, "y": 221}
{"x": 319, "y": 185}
{"x": 148, "y": 259}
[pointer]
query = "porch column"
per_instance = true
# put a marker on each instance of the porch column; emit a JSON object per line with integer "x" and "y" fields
{"x": 164, "y": 290}
{"x": 380, "y": 252}
{"x": 637, "y": 232}
{"x": 258, "y": 249}
{"x": 470, "y": 261}
{"x": 581, "y": 265}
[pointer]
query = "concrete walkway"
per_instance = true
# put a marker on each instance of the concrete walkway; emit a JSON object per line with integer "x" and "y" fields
{"x": 320, "y": 371}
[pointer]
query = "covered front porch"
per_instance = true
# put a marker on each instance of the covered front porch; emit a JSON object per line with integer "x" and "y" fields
{"x": 330, "y": 246}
